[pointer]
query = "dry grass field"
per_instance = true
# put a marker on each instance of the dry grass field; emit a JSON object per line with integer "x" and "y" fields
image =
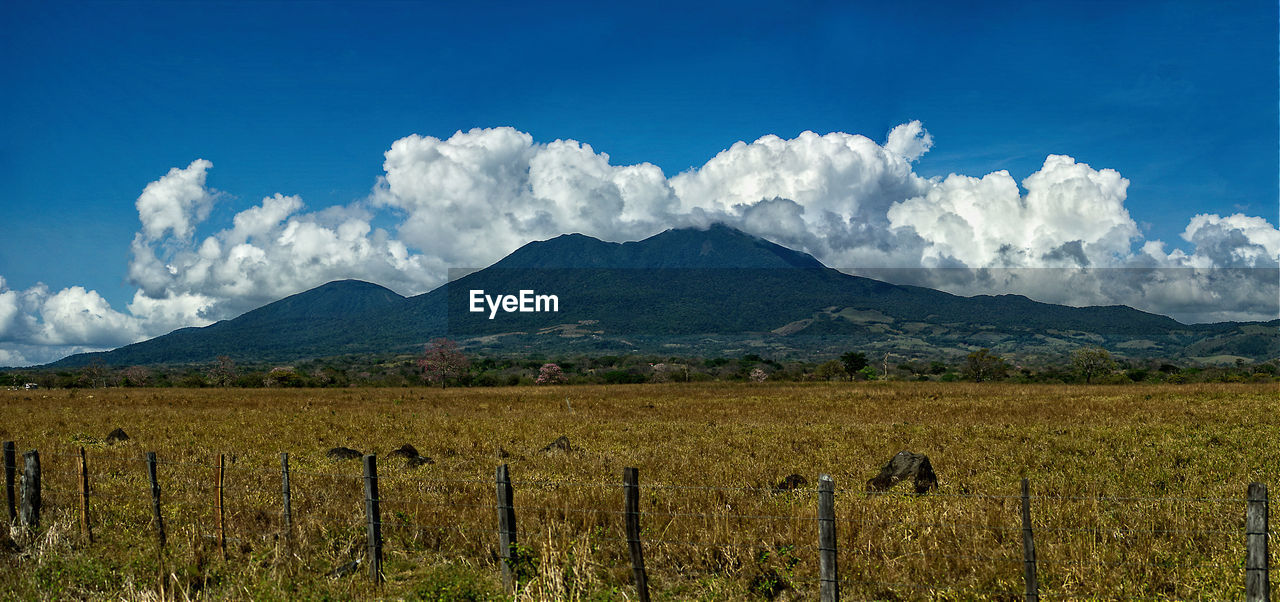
{"x": 1138, "y": 491}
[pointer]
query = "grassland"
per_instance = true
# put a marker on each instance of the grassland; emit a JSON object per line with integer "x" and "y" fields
{"x": 1180, "y": 456}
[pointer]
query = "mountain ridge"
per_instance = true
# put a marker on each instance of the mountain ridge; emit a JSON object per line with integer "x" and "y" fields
{"x": 716, "y": 284}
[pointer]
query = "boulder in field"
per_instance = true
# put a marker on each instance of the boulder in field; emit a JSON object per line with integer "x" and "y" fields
{"x": 902, "y": 466}
{"x": 791, "y": 483}
{"x": 405, "y": 451}
{"x": 343, "y": 453}
{"x": 347, "y": 569}
{"x": 417, "y": 461}
{"x": 117, "y": 436}
{"x": 560, "y": 444}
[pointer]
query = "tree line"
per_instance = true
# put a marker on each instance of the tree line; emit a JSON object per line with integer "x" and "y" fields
{"x": 443, "y": 363}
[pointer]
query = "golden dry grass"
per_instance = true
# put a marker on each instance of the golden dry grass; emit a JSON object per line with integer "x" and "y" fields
{"x": 708, "y": 456}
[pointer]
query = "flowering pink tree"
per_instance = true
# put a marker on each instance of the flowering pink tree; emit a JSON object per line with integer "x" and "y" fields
{"x": 442, "y": 361}
{"x": 758, "y": 376}
{"x": 551, "y": 374}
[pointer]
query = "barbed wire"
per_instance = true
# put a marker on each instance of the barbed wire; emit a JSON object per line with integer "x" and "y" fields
{"x": 982, "y": 557}
{"x": 1095, "y": 596}
{"x": 1159, "y": 565}
{"x": 702, "y": 544}
{"x": 1128, "y": 530}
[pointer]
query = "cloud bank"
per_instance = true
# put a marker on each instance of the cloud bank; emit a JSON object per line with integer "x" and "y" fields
{"x": 468, "y": 200}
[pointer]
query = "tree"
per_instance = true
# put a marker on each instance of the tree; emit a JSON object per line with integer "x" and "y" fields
{"x": 223, "y": 372}
{"x": 758, "y": 376}
{"x": 441, "y": 361}
{"x": 282, "y": 376}
{"x": 854, "y": 361}
{"x": 982, "y": 365}
{"x": 136, "y": 376}
{"x": 94, "y": 374}
{"x": 551, "y": 374}
{"x": 831, "y": 370}
{"x": 1092, "y": 362}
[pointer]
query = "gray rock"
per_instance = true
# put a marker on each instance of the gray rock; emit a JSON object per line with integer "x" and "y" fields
{"x": 791, "y": 482}
{"x": 343, "y": 453}
{"x": 902, "y": 466}
{"x": 405, "y": 451}
{"x": 348, "y": 568}
{"x": 417, "y": 461}
{"x": 561, "y": 444}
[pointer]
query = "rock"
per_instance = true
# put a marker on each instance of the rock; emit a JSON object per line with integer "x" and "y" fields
{"x": 791, "y": 482}
{"x": 905, "y": 464}
{"x": 406, "y": 451}
{"x": 561, "y": 444}
{"x": 117, "y": 435}
{"x": 417, "y": 461}
{"x": 343, "y": 453}
{"x": 347, "y": 569}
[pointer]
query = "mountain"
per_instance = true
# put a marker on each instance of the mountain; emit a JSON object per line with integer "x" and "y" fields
{"x": 683, "y": 291}
{"x": 309, "y": 324}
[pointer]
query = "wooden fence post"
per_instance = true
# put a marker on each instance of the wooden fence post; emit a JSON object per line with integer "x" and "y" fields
{"x": 828, "y": 571}
{"x": 85, "y": 526}
{"x": 30, "y": 511}
{"x": 1257, "y": 581}
{"x": 155, "y": 498}
{"x": 506, "y": 529}
{"x": 10, "y": 474}
{"x": 1028, "y": 546}
{"x": 284, "y": 490}
{"x": 374, "y": 515}
{"x": 220, "y": 513}
{"x": 631, "y": 489}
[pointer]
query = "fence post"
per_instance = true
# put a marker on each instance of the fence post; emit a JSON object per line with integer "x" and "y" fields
{"x": 10, "y": 474}
{"x": 1028, "y": 546}
{"x": 1257, "y": 582}
{"x": 631, "y": 489}
{"x": 218, "y": 508}
{"x": 284, "y": 490}
{"x": 828, "y": 572}
{"x": 155, "y": 498}
{"x": 374, "y": 516}
{"x": 506, "y": 529}
{"x": 84, "y": 498}
{"x": 31, "y": 490}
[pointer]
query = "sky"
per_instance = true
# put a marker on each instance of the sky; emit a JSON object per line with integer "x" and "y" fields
{"x": 170, "y": 164}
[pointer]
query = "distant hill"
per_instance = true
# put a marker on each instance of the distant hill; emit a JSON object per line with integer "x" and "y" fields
{"x": 684, "y": 291}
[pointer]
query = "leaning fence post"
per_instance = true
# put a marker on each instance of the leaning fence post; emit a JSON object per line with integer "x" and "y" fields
{"x": 284, "y": 490}
{"x": 31, "y": 490}
{"x": 10, "y": 474}
{"x": 506, "y": 529}
{"x": 1257, "y": 582}
{"x": 1028, "y": 545}
{"x": 374, "y": 516}
{"x": 631, "y": 489}
{"x": 155, "y": 498}
{"x": 828, "y": 572}
{"x": 84, "y": 498}
{"x": 218, "y": 508}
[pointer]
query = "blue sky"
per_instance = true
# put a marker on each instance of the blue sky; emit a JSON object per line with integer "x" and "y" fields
{"x": 304, "y": 98}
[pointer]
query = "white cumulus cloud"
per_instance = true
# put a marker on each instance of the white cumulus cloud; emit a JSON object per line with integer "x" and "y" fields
{"x": 175, "y": 202}
{"x": 1071, "y": 215}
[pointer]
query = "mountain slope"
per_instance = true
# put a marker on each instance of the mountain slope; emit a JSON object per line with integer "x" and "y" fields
{"x": 309, "y": 324}
{"x": 718, "y": 285}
